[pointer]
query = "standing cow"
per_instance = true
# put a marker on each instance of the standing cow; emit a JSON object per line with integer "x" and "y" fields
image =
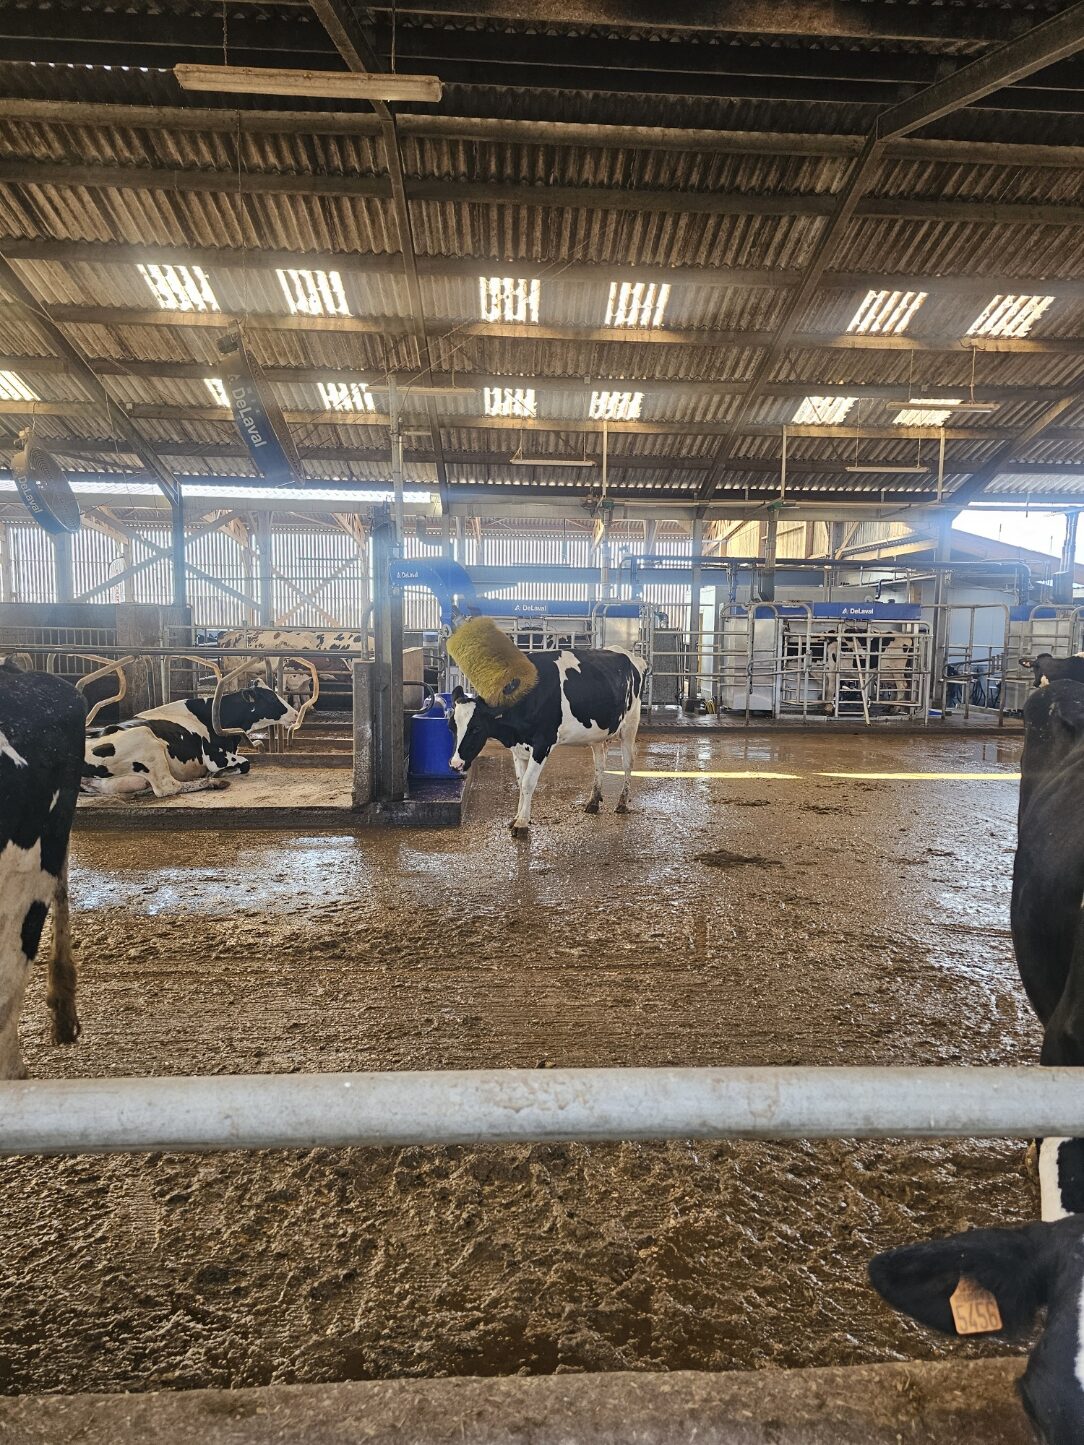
{"x": 1039, "y": 1265}
{"x": 41, "y": 754}
{"x": 584, "y": 696}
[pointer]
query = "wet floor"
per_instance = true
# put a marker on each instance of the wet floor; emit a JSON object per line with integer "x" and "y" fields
{"x": 854, "y": 917}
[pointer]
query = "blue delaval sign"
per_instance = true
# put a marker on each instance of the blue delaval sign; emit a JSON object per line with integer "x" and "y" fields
{"x": 257, "y": 416}
{"x": 851, "y": 611}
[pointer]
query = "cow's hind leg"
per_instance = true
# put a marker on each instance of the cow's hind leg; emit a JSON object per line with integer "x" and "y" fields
{"x": 598, "y": 754}
{"x": 627, "y": 735}
{"x": 60, "y": 986}
{"x": 162, "y": 782}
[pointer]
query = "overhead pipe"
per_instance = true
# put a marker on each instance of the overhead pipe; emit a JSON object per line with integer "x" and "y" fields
{"x": 507, "y": 1106}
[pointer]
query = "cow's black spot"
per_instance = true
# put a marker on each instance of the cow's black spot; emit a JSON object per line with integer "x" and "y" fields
{"x": 95, "y": 770}
{"x": 107, "y": 750}
{"x": 33, "y": 923}
{"x": 140, "y": 768}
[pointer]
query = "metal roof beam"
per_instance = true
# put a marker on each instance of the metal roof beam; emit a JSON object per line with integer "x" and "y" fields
{"x": 505, "y": 131}
{"x": 456, "y": 382}
{"x": 515, "y": 426}
{"x": 591, "y": 273}
{"x": 833, "y": 19}
{"x": 608, "y": 336}
{"x": 615, "y": 198}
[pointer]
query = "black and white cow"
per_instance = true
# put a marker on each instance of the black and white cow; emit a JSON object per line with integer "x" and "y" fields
{"x": 174, "y": 749}
{"x": 1038, "y": 1265}
{"x": 1055, "y": 669}
{"x": 583, "y": 696}
{"x": 41, "y": 753}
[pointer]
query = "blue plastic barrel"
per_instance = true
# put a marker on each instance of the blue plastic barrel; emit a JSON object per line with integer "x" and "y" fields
{"x": 431, "y": 742}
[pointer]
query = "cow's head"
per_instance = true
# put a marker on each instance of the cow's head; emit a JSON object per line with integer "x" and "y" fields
{"x": 256, "y": 704}
{"x": 468, "y": 721}
{"x": 1046, "y": 668}
{"x": 1027, "y": 1269}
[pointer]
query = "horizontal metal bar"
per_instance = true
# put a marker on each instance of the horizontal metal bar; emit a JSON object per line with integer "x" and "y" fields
{"x": 501, "y": 1106}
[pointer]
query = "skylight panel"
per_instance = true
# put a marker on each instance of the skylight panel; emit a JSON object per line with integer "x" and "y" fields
{"x": 637, "y": 303}
{"x": 346, "y": 396}
{"x": 510, "y": 401}
{"x": 508, "y": 298}
{"x": 180, "y": 288}
{"x": 313, "y": 293}
{"x": 14, "y": 388}
{"x": 616, "y": 405}
{"x": 218, "y": 391}
{"x": 926, "y": 411}
{"x": 1009, "y": 316}
{"x": 885, "y": 313}
{"x": 823, "y": 410}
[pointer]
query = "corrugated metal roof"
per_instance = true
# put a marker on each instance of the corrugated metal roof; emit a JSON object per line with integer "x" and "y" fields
{"x": 492, "y": 234}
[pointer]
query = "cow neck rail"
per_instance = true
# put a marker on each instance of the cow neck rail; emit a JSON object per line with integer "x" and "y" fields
{"x": 503, "y": 1106}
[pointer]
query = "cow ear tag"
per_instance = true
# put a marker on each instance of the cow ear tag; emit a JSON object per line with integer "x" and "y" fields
{"x": 974, "y": 1309}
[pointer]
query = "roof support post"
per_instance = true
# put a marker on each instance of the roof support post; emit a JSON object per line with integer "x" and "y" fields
{"x": 176, "y": 553}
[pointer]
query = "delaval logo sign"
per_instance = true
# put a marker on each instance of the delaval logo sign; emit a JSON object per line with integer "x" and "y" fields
{"x": 257, "y": 416}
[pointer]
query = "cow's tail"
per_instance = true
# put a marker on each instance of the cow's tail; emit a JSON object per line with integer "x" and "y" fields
{"x": 61, "y": 979}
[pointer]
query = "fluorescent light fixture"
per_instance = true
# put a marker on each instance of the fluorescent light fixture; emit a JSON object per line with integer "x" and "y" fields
{"x": 885, "y": 313}
{"x": 509, "y": 298}
{"x": 637, "y": 303}
{"x": 324, "y": 84}
{"x": 180, "y": 288}
{"x": 823, "y": 410}
{"x": 214, "y": 490}
{"x": 886, "y": 467}
{"x": 615, "y": 405}
{"x": 519, "y": 460}
{"x": 1009, "y": 316}
{"x": 934, "y": 411}
{"x": 978, "y": 405}
{"x": 218, "y": 391}
{"x": 14, "y": 388}
{"x": 346, "y": 396}
{"x": 510, "y": 401}
{"x": 313, "y": 293}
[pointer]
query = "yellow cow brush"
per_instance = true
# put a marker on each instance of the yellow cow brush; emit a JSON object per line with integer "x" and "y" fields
{"x": 499, "y": 673}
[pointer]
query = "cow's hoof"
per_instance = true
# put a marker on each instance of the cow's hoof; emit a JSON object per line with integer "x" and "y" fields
{"x": 592, "y": 806}
{"x": 219, "y": 783}
{"x": 520, "y": 832}
{"x": 622, "y": 808}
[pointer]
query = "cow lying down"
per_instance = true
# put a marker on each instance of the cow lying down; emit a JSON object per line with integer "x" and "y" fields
{"x": 174, "y": 749}
{"x": 586, "y": 696}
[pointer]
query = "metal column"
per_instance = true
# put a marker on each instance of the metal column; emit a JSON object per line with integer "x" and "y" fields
{"x": 692, "y": 681}
{"x": 942, "y": 554}
{"x": 771, "y": 542}
{"x": 1064, "y": 578}
{"x": 389, "y": 772}
{"x": 65, "y": 577}
{"x": 177, "y": 557}
{"x": 263, "y": 559}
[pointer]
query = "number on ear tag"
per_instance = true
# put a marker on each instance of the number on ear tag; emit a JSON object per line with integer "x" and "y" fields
{"x": 974, "y": 1309}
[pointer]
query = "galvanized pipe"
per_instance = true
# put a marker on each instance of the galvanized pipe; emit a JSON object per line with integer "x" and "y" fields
{"x": 504, "y": 1106}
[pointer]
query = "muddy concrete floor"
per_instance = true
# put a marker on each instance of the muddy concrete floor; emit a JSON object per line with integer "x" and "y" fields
{"x": 873, "y": 930}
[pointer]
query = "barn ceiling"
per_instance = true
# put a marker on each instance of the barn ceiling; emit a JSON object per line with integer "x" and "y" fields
{"x": 665, "y": 237}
